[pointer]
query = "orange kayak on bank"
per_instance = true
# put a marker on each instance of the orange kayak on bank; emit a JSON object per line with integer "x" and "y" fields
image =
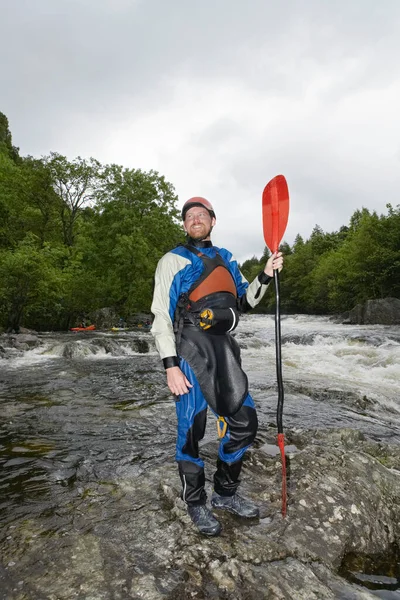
{"x": 89, "y": 328}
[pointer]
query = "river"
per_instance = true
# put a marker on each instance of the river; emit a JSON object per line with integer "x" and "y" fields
{"x": 83, "y": 413}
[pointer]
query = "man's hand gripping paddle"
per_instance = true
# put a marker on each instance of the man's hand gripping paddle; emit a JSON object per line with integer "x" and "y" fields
{"x": 275, "y": 208}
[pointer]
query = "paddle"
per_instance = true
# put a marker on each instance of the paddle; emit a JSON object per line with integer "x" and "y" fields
{"x": 275, "y": 208}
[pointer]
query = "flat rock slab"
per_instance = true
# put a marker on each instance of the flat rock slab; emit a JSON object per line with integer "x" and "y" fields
{"x": 344, "y": 496}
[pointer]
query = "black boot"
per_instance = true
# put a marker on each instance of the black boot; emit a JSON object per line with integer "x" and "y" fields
{"x": 236, "y": 504}
{"x": 226, "y": 477}
{"x": 204, "y": 520}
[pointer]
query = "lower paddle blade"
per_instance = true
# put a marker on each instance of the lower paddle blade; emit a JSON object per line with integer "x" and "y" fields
{"x": 275, "y": 208}
{"x": 281, "y": 444}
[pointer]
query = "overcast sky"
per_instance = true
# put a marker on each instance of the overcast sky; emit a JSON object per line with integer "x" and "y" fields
{"x": 219, "y": 96}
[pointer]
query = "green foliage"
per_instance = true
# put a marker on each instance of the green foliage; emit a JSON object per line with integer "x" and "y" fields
{"x": 132, "y": 227}
{"x": 30, "y": 283}
{"x": 331, "y": 272}
{"x": 249, "y": 266}
{"x": 76, "y": 236}
{"x": 6, "y": 146}
{"x": 75, "y": 184}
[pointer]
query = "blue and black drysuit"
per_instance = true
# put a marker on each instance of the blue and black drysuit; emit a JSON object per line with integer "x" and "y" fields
{"x": 192, "y": 281}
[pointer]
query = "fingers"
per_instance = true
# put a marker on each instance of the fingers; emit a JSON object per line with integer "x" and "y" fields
{"x": 277, "y": 261}
{"x": 178, "y": 382}
{"x": 274, "y": 263}
{"x": 178, "y": 388}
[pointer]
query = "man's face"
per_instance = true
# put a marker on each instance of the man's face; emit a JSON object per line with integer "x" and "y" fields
{"x": 198, "y": 223}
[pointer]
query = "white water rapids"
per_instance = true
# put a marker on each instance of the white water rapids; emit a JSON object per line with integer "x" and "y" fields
{"x": 316, "y": 352}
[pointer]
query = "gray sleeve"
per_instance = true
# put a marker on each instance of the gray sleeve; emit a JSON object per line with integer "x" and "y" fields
{"x": 162, "y": 328}
{"x": 254, "y": 292}
{"x": 257, "y": 288}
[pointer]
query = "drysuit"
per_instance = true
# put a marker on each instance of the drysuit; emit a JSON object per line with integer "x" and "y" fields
{"x": 198, "y": 297}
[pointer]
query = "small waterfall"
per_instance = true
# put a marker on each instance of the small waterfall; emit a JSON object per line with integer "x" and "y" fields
{"x": 79, "y": 346}
{"x": 103, "y": 346}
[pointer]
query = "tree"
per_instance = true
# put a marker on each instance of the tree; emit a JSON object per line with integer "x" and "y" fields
{"x": 134, "y": 224}
{"x": 285, "y": 249}
{"x": 6, "y": 145}
{"x": 11, "y": 181}
{"x": 248, "y": 266}
{"x": 42, "y": 204}
{"x": 75, "y": 183}
{"x": 30, "y": 283}
{"x": 76, "y": 236}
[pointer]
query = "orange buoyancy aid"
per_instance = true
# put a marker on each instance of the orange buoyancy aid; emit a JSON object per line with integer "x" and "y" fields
{"x": 215, "y": 289}
{"x": 214, "y": 278}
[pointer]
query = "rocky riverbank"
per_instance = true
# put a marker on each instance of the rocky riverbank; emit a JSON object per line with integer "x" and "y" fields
{"x": 385, "y": 311}
{"x": 344, "y": 500}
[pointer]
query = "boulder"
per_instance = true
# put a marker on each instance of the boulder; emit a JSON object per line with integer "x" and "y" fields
{"x": 26, "y": 339}
{"x": 104, "y": 318}
{"x": 344, "y": 500}
{"x": 17, "y": 341}
{"x": 108, "y": 317}
{"x": 385, "y": 311}
{"x": 25, "y": 330}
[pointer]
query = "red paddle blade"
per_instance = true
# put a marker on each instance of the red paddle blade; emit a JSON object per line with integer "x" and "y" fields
{"x": 275, "y": 208}
{"x": 281, "y": 444}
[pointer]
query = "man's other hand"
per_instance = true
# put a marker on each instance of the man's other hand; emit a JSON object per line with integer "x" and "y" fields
{"x": 177, "y": 381}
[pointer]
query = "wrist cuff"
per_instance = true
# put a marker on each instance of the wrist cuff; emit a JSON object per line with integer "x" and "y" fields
{"x": 170, "y": 361}
{"x": 263, "y": 278}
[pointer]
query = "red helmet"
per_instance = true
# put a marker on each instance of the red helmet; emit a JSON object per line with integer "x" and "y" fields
{"x": 197, "y": 201}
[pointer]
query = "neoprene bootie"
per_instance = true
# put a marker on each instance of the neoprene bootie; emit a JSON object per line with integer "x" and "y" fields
{"x": 242, "y": 507}
{"x": 204, "y": 520}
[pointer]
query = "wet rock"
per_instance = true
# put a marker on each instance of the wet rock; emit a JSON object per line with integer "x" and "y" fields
{"x": 334, "y": 396}
{"x": 12, "y": 345}
{"x": 23, "y": 339}
{"x": 25, "y": 330}
{"x": 341, "y": 499}
{"x": 81, "y": 347}
{"x": 140, "y": 345}
{"x": 78, "y": 350}
{"x": 31, "y": 341}
{"x": 107, "y": 317}
{"x": 385, "y": 311}
{"x": 342, "y": 318}
{"x": 104, "y": 318}
{"x": 344, "y": 497}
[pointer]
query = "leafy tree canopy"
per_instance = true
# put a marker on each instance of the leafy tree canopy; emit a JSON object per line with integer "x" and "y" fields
{"x": 77, "y": 235}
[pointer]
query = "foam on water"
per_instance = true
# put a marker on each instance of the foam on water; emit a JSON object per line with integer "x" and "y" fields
{"x": 363, "y": 359}
{"x": 32, "y": 357}
{"x": 95, "y": 347}
{"x": 316, "y": 352}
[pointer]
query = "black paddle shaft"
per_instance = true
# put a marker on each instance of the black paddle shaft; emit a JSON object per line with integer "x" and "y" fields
{"x": 279, "y": 410}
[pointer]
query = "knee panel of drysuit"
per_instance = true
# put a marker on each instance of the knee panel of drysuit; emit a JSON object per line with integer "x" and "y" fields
{"x": 191, "y": 411}
{"x": 241, "y": 432}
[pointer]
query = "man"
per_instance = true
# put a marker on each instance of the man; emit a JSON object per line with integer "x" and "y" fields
{"x": 198, "y": 296}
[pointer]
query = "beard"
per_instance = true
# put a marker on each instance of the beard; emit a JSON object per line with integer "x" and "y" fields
{"x": 199, "y": 233}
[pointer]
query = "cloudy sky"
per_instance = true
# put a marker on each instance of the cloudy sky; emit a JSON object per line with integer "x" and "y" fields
{"x": 219, "y": 96}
